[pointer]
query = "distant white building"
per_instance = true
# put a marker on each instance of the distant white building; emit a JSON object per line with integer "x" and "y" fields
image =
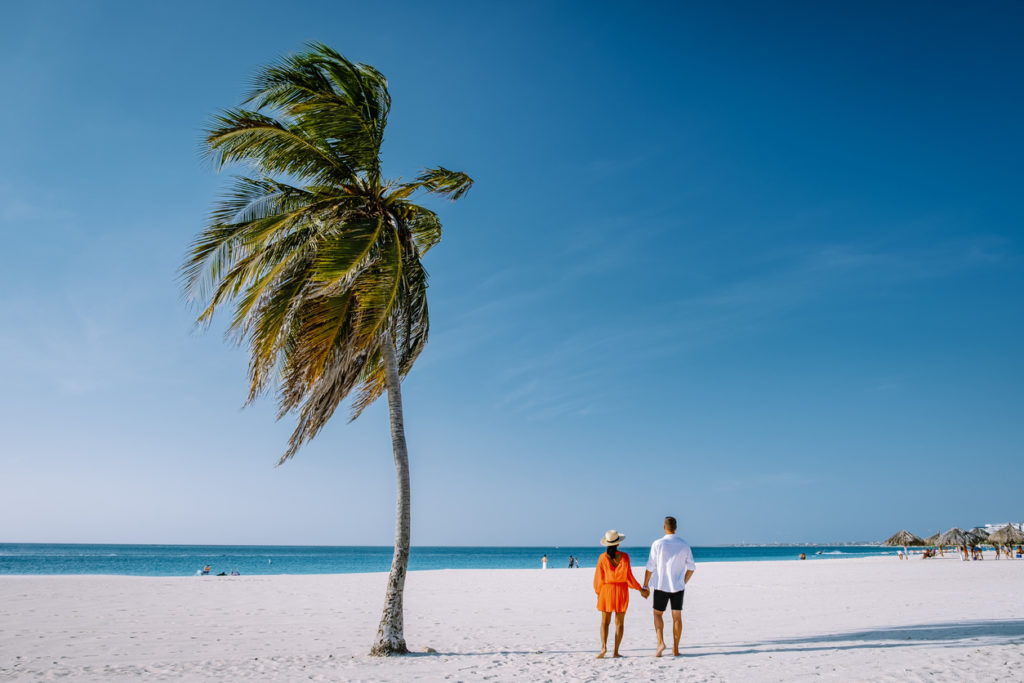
{"x": 996, "y": 527}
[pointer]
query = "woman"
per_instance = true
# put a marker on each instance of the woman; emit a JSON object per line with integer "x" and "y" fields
{"x": 612, "y": 580}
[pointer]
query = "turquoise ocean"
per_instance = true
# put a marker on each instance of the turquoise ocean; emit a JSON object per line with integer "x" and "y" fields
{"x": 186, "y": 560}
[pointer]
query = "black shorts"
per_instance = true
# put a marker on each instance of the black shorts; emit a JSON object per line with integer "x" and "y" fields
{"x": 661, "y": 600}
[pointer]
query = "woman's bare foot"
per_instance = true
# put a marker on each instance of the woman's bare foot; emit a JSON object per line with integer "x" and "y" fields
{"x": 675, "y": 653}
{"x": 601, "y": 654}
{"x": 661, "y": 648}
{"x": 616, "y": 654}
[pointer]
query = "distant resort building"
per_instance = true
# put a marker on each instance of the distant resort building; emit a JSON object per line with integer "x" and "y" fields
{"x": 1019, "y": 526}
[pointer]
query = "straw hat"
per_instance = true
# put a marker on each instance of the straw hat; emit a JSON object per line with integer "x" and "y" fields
{"x": 612, "y": 537}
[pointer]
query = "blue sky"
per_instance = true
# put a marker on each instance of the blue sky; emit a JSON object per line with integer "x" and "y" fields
{"x": 758, "y": 266}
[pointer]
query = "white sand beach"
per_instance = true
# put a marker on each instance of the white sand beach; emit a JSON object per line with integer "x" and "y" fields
{"x": 854, "y": 619}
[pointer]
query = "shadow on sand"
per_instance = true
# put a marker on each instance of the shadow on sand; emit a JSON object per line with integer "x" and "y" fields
{"x": 963, "y": 634}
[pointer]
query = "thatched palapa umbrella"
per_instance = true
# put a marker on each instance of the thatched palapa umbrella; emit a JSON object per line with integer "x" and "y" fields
{"x": 933, "y": 540}
{"x": 903, "y": 538}
{"x": 955, "y": 536}
{"x": 1008, "y": 535}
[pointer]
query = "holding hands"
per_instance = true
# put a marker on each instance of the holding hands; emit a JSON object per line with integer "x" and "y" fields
{"x": 645, "y": 591}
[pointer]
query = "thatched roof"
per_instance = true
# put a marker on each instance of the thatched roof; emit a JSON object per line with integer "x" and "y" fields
{"x": 1008, "y": 534}
{"x": 978, "y": 532}
{"x": 955, "y": 537}
{"x": 933, "y": 540}
{"x": 903, "y": 537}
{"x": 976, "y": 538}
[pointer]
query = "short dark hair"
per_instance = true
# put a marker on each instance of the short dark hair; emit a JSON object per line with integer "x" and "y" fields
{"x": 670, "y": 524}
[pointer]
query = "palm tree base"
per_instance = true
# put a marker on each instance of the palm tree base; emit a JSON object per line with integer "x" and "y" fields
{"x": 389, "y": 649}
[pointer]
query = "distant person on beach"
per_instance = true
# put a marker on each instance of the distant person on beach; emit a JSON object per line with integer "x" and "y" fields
{"x": 612, "y": 580}
{"x": 572, "y": 561}
{"x": 544, "y": 562}
{"x": 206, "y": 570}
{"x": 670, "y": 565}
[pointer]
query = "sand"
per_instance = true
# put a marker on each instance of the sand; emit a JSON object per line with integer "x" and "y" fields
{"x": 844, "y": 619}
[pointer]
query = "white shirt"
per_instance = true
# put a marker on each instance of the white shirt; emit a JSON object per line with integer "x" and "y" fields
{"x": 670, "y": 559}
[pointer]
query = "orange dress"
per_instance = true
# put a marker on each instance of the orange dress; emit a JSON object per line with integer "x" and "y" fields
{"x": 612, "y": 584}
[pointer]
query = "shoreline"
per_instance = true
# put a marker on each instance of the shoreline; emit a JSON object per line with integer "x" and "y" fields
{"x": 66, "y": 560}
{"x": 636, "y": 568}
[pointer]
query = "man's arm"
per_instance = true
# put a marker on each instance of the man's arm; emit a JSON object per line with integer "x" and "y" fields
{"x": 690, "y": 565}
{"x": 651, "y": 565}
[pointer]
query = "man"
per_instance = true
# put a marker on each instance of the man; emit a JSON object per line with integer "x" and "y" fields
{"x": 671, "y": 565}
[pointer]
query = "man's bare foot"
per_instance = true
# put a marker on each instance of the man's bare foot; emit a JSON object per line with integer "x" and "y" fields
{"x": 601, "y": 654}
{"x": 616, "y": 654}
{"x": 661, "y": 648}
{"x": 675, "y": 653}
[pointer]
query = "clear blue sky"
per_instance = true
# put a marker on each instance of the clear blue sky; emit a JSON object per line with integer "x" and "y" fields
{"x": 756, "y": 265}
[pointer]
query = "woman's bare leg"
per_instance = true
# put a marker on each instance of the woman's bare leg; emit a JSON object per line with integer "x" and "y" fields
{"x": 606, "y": 619}
{"x": 620, "y": 623}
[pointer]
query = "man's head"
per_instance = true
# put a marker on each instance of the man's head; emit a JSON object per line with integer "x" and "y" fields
{"x": 670, "y": 525}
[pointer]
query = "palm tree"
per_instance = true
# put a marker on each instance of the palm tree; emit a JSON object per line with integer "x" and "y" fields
{"x": 320, "y": 258}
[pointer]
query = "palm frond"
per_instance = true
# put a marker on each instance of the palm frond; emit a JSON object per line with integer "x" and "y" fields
{"x": 274, "y": 146}
{"x": 226, "y": 256}
{"x": 339, "y": 102}
{"x": 423, "y": 225}
{"x": 346, "y": 246}
{"x": 377, "y": 286}
{"x": 271, "y": 330}
{"x": 410, "y": 327}
{"x": 441, "y": 181}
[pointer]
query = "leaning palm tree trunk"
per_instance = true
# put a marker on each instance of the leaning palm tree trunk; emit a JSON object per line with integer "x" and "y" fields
{"x": 391, "y": 632}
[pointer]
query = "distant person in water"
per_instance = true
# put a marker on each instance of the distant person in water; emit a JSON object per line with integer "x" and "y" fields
{"x": 670, "y": 566}
{"x": 206, "y": 570}
{"x": 612, "y": 580}
{"x": 544, "y": 562}
{"x": 572, "y": 561}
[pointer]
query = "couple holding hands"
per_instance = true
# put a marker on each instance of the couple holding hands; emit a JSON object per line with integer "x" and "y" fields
{"x": 670, "y": 565}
